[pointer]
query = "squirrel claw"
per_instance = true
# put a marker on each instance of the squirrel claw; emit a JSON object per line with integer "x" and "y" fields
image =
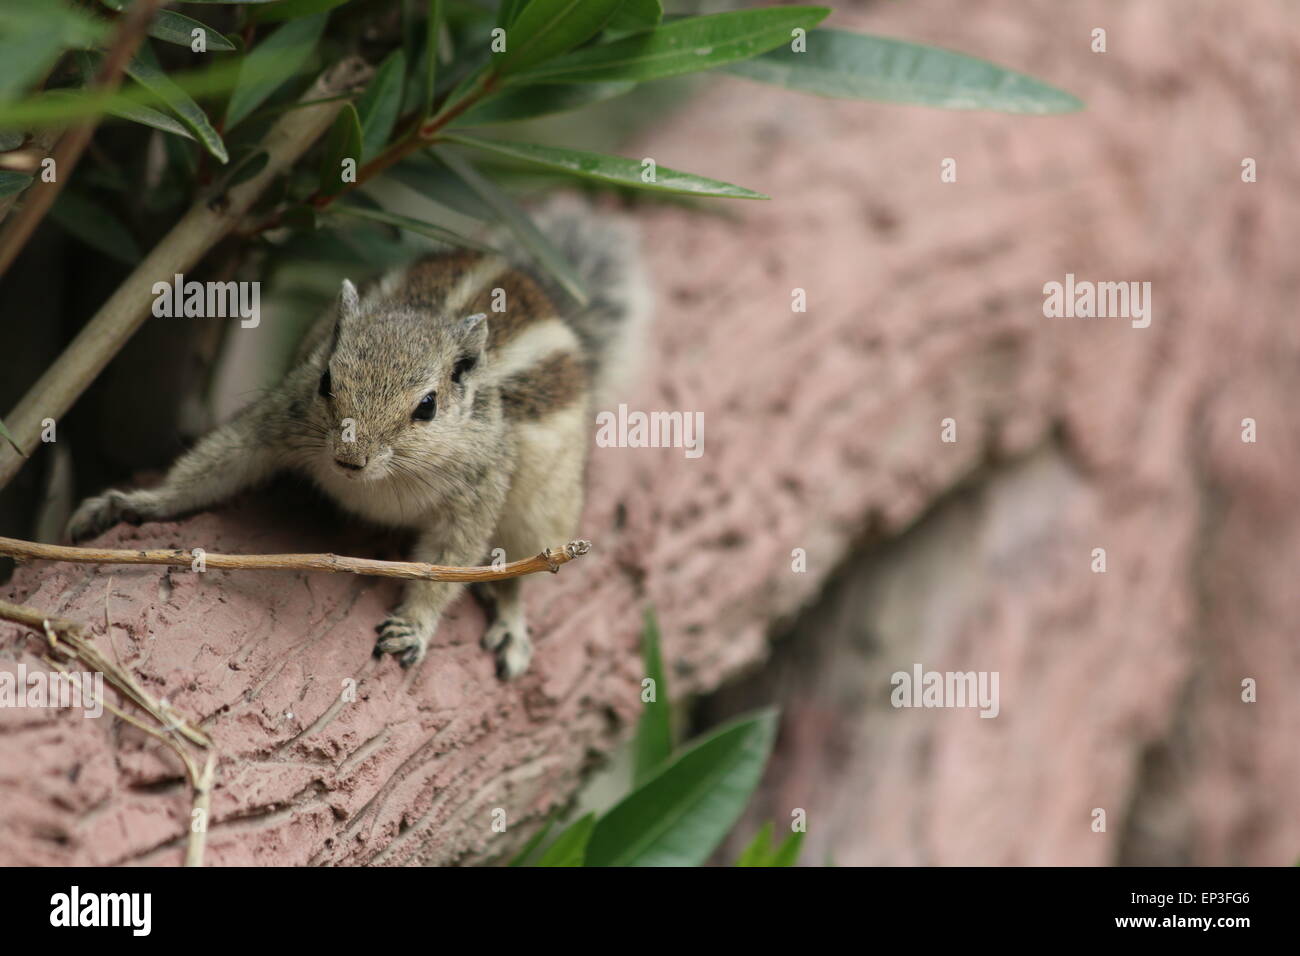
{"x": 397, "y": 636}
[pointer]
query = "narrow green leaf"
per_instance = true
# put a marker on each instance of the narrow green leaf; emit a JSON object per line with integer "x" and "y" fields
{"x": 291, "y": 9}
{"x": 853, "y": 65}
{"x": 432, "y": 179}
{"x": 380, "y": 103}
{"x": 546, "y": 28}
{"x": 410, "y": 225}
{"x": 145, "y": 115}
{"x": 13, "y": 182}
{"x": 529, "y": 848}
{"x": 611, "y": 169}
{"x": 636, "y": 15}
{"x": 432, "y": 30}
{"x": 245, "y": 168}
{"x": 787, "y": 854}
{"x": 61, "y": 106}
{"x": 11, "y": 139}
{"x": 570, "y": 847}
{"x": 153, "y": 118}
{"x": 543, "y": 99}
{"x": 680, "y": 816}
{"x": 7, "y": 436}
{"x": 538, "y": 246}
{"x": 760, "y": 848}
{"x": 683, "y": 46}
{"x": 507, "y": 10}
{"x": 94, "y": 225}
{"x": 273, "y": 61}
{"x": 654, "y": 734}
{"x": 34, "y": 35}
{"x": 144, "y": 69}
{"x": 174, "y": 28}
{"x": 344, "y": 143}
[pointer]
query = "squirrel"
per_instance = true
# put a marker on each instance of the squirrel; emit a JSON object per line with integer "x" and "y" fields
{"x": 413, "y": 404}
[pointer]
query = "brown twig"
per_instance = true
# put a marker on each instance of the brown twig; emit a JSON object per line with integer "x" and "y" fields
{"x": 67, "y": 639}
{"x": 548, "y": 560}
{"x": 207, "y": 222}
{"x": 130, "y": 31}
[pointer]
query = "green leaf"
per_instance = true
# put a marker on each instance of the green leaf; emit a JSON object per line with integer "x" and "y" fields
{"x": 534, "y": 842}
{"x": 291, "y": 9}
{"x": 144, "y": 70}
{"x": 636, "y": 15}
{"x": 432, "y": 28}
{"x": 145, "y": 115}
{"x": 34, "y": 35}
{"x": 175, "y": 28}
{"x": 5, "y": 434}
{"x": 508, "y": 10}
{"x": 344, "y": 142}
{"x": 273, "y": 61}
{"x": 570, "y": 847}
{"x": 760, "y": 848}
{"x": 852, "y": 65}
{"x": 654, "y": 734}
{"x": 539, "y": 247}
{"x": 435, "y": 181}
{"x": 788, "y": 852}
{"x": 410, "y": 225}
{"x": 680, "y": 816}
{"x": 683, "y": 46}
{"x": 547, "y": 28}
{"x": 380, "y": 103}
{"x": 13, "y": 182}
{"x": 245, "y": 168}
{"x": 610, "y": 169}
{"x": 543, "y": 99}
{"x": 94, "y": 225}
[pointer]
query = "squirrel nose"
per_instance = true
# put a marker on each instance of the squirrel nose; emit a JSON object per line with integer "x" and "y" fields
{"x": 351, "y": 466}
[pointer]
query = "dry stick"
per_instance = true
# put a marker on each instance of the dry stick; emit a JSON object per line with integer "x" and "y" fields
{"x": 548, "y": 560}
{"x": 207, "y": 222}
{"x": 67, "y": 638}
{"x": 130, "y": 31}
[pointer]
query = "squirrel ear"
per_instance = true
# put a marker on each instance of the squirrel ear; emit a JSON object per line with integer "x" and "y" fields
{"x": 475, "y": 330}
{"x": 349, "y": 301}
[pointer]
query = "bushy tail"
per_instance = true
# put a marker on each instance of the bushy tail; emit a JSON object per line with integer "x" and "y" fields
{"x": 604, "y": 250}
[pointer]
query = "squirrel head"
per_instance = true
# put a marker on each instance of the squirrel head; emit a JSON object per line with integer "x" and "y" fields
{"x": 396, "y": 389}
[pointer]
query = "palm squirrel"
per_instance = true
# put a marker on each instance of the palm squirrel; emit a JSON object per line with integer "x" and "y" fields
{"x": 416, "y": 404}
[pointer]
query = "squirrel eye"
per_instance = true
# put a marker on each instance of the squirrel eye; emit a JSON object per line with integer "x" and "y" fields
{"x": 326, "y": 385}
{"x": 425, "y": 410}
{"x": 461, "y": 368}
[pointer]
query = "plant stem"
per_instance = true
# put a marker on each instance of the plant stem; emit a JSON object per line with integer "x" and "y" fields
{"x": 548, "y": 560}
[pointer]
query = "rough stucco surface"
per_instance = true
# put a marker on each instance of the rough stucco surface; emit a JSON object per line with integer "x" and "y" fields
{"x": 1119, "y": 690}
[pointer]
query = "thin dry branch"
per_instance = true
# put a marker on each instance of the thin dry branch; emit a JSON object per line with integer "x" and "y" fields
{"x": 206, "y": 223}
{"x": 67, "y": 639}
{"x": 548, "y": 560}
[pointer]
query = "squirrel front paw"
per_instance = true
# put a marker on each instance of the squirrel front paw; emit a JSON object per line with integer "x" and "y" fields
{"x": 96, "y": 515}
{"x": 509, "y": 640}
{"x": 401, "y": 638}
